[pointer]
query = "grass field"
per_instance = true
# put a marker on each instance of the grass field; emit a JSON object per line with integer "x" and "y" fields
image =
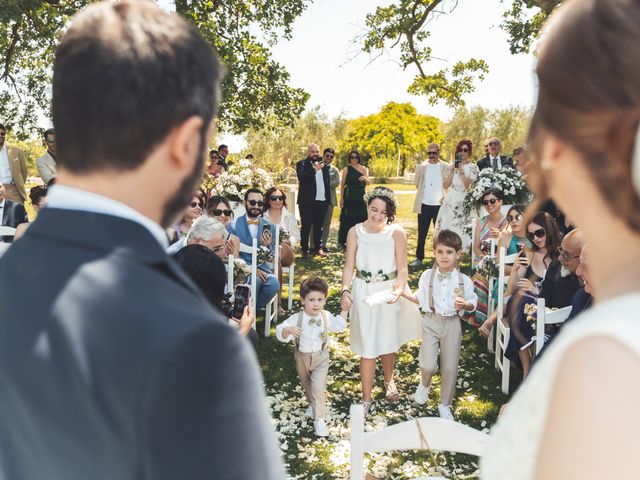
{"x": 477, "y": 402}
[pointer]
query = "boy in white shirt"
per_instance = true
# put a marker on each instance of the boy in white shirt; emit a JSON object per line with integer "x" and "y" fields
{"x": 443, "y": 293}
{"x": 309, "y": 329}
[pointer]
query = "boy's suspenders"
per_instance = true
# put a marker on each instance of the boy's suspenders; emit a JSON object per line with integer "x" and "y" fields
{"x": 325, "y": 322}
{"x": 431, "y": 278}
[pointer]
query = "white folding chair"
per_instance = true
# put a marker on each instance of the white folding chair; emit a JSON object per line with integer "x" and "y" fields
{"x": 230, "y": 267}
{"x": 253, "y": 251}
{"x": 548, "y": 317}
{"x": 502, "y": 331}
{"x": 290, "y": 272}
{"x": 421, "y": 433}
{"x": 474, "y": 222}
{"x": 5, "y": 232}
{"x": 271, "y": 310}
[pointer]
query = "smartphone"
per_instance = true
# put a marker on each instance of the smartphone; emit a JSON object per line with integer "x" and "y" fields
{"x": 266, "y": 228}
{"x": 520, "y": 247}
{"x": 458, "y": 160}
{"x": 241, "y": 300}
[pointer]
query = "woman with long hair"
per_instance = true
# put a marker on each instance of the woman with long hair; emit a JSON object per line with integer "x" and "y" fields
{"x": 219, "y": 208}
{"x": 353, "y": 180}
{"x": 458, "y": 177}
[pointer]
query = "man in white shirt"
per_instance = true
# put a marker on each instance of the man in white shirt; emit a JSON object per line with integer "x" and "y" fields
{"x": 494, "y": 159}
{"x": 47, "y": 163}
{"x": 430, "y": 190}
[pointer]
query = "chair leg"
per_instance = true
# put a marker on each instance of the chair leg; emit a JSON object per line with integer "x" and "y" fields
{"x": 267, "y": 320}
{"x": 290, "y": 300}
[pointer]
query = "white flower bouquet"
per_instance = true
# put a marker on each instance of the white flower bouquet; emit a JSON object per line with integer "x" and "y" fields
{"x": 237, "y": 179}
{"x": 508, "y": 180}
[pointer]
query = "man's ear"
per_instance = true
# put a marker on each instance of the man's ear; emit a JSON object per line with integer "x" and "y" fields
{"x": 185, "y": 146}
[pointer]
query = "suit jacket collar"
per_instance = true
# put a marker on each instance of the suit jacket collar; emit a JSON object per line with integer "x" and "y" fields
{"x": 111, "y": 235}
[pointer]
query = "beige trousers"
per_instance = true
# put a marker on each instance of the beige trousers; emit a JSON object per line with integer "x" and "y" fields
{"x": 441, "y": 335}
{"x": 312, "y": 369}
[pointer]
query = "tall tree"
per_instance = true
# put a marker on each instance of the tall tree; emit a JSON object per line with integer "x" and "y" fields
{"x": 255, "y": 91}
{"x": 403, "y": 25}
{"x": 392, "y": 140}
{"x": 524, "y": 21}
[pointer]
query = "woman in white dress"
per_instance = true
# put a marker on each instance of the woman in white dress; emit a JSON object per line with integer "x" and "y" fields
{"x": 576, "y": 416}
{"x": 377, "y": 251}
{"x": 458, "y": 177}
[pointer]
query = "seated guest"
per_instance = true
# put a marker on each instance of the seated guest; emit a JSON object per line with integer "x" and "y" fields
{"x": 528, "y": 272}
{"x": 249, "y": 226}
{"x": 561, "y": 282}
{"x": 205, "y": 231}
{"x": 514, "y": 234}
{"x": 193, "y": 211}
{"x": 219, "y": 207}
{"x": 38, "y": 197}
{"x": 208, "y": 272}
{"x": 12, "y": 213}
{"x": 275, "y": 210}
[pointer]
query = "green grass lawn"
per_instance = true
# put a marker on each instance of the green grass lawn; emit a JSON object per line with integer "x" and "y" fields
{"x": 477, "y": 401}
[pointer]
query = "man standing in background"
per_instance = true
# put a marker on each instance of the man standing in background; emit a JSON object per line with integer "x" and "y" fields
{"x": 334, "y": 181}
{"x": 47, "y": 163}
{"x": 13, "y": 170}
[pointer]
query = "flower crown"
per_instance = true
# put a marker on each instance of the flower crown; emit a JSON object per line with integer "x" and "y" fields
{"x": 381, "y": 192}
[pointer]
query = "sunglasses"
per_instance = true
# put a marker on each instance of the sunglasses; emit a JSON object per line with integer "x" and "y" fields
{"x": 494, "y": 144}
{"x": 196, "y": 204}
{"x": 51, "y": 140}
{"x": 253, "y": 203}
{"x": 566, "y": 255}
{"x": 328, "y": 155}
{"x": 217, "y": 212}
{"x": 277, "y": 198}
{"x": 540, "y": 233}
{"x": 353, "y": 158}
{"x": 432, "y": 154}
{"x": 491, "y": 201}
{"x": 514, "y": 218}
{"x": 464, "y": 150}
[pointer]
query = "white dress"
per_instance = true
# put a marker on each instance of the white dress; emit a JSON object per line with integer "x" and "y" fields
{"x": 384, "y": 328}
{"x": 450, "y": 216}
{"x": 515, "y": 439}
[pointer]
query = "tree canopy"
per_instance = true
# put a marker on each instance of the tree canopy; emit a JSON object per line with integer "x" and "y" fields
{"x": 392, "y": 140}
{"x": 255, "y": 91}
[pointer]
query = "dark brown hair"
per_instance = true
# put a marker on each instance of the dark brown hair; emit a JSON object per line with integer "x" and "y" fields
{"x": 313, "y": 284}
{"x": 125, "y": 74}
{"x": 449, "y": 239}
{"x": 553, "y": 235}
{"x": 390, "y": 204}
{"x": 462, "y": 143}
{"x": 216, "y": 200}
{"x": 589, "y": 96}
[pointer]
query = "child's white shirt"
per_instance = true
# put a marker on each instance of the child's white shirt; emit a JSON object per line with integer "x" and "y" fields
{"x": 444, "y": 292}
{"x": 311, "y": 336}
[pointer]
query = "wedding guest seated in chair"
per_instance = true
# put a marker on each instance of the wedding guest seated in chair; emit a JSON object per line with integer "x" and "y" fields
{"x": 219, "y": 207}
{"x": 249, "y": 226}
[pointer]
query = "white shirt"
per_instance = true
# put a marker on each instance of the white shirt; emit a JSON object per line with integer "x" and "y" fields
{"x": 432, "y": 184}
{"x": 5, "y": 170}
{"x": 311, "y": 336}
{"x": 289, "y": 223}
{"x": 69, "y": 198}
{"x": 444, "y": 292}
{"x": 497, "y": 159}
{"x": 320, "y": 186}
{"x": 253, "y": 229}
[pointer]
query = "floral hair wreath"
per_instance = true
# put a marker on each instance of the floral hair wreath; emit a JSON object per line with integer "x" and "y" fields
{"x": 381, "y": 192}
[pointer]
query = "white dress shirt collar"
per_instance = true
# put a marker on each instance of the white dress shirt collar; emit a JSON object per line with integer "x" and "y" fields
{"x": 69, "y": 198}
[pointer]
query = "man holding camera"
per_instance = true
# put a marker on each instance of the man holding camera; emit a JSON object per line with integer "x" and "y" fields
{"x": 313, "y": 198}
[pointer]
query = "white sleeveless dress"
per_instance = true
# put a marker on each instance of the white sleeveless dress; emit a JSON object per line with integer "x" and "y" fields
{"x": 384, "y": 328}
{"x": 515, "y": 439}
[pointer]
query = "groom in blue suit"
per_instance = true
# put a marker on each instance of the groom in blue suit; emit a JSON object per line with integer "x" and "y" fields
{"x": 249, "y": 226}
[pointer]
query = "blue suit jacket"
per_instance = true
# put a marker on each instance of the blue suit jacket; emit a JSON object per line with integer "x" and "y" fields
{"x": 240, "y": 228}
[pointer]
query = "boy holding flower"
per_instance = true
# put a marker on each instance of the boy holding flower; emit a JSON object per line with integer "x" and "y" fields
{"x": 443, "y": 294}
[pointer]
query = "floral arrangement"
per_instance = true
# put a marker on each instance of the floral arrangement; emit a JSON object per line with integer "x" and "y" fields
{"x": 284, "y": 234}
{"x": 487, "y": 267}
{"x": 370, "y": 277}
{"x": 508, "y": 180}
{"x": 237, "y": 179}
{"x": 241, "y": 271}
{"x": 531, "y": 312}
{"x": 264, "y": 255}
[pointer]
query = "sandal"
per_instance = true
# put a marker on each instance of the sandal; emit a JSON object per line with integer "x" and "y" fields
{"x": 367, "y": 407}
{"x": 391, "y": 392}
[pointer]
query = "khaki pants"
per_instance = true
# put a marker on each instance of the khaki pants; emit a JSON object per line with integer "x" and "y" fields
{"x": 12, "y": 193}
{"x": 312, "y": 369}
{"x": 441, "y": 335}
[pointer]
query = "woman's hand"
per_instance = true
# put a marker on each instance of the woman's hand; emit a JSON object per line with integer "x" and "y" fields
{"x": 229, "y": 246}
{"x": 484, "y": 329}
{"x": 397, "y": 293}
{"x": 345, "y": 300}
{"x": 523, "y": 261}
{"x": 494, "y": 232}
{"x": 265, "y": 238}
{"x": 527, "y": 285}
{"x": 247, "y": 320}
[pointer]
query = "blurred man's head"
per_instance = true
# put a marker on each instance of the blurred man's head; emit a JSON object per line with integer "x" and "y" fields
{"x": 147, "y": 115}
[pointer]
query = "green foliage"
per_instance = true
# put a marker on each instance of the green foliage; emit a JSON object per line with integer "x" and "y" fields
{"x": 397, "y": 136}
{"x": 478, "y": 124}
{"x": 401, "y": 25}
{"x": 255, "y": 91}
{"x": 524, "y": 22}
{"x": 277, "y": 148}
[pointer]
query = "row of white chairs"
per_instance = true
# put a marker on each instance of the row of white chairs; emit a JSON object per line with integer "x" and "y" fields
{"x": 271, "y": 309}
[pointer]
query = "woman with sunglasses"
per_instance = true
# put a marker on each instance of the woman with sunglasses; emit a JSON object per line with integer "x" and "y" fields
{"x": 275, "y": 210}
{"x": 515, "y": 234}
{"x": 488, "y": 228}
{"x": 458, "y": 177}
{"x": 219, "y": 207}
{"x": 528, "y": 272}
{"x": 354, "y": 177}
{"x": 193, "y": 211}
